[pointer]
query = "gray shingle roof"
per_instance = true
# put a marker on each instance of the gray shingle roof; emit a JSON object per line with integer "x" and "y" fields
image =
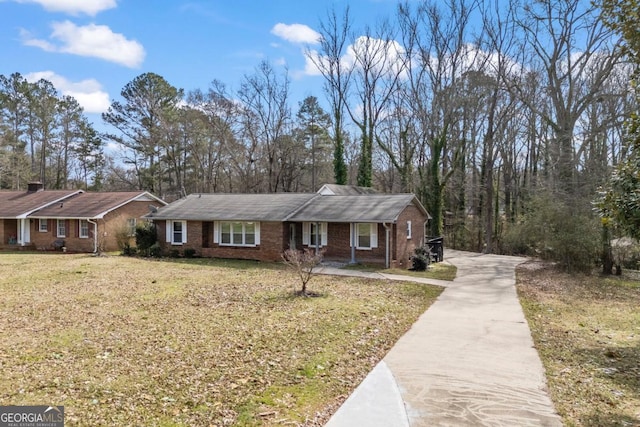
{"x": 288, "y": 207}
{"x": 239, "y": 207}
{"x": 355, "y": 208}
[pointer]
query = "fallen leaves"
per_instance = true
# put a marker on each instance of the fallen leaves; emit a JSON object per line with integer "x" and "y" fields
{"x": 124, "y": 341}
{"x": 586, "y": 331}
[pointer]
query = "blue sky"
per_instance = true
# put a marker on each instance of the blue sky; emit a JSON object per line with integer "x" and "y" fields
{"x": 91, "y": 48}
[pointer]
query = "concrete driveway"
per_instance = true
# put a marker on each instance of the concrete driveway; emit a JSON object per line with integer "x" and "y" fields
{"x": 469, "y": 360}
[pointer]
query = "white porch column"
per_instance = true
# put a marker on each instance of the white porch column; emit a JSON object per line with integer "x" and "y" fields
{"x": 24, "y": 232}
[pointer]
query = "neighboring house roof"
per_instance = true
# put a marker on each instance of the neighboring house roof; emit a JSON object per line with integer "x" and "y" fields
{"x": 356, "y": 208}
{"x": 288, "y": 207}
{"x": 19, "y": 204}
{"x": 93, "y": 205}
{"x": 233, "y": 207}
{"x": 344, "y": 190}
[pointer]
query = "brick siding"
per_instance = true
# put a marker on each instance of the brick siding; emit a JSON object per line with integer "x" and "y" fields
{"x": 275, "y": 238}
{"x": 405, "y": 247}
{"x": 107, "y": 228}
{"x": 272, "y": 236}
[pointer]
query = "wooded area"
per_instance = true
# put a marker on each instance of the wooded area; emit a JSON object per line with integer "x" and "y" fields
{"x": 504, "y": 119}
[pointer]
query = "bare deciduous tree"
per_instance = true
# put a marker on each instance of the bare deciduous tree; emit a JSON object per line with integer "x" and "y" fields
{"x": 302, "y": 264}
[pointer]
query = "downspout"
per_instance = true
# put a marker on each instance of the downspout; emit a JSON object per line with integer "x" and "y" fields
{"x": 95, "y": 235}
{"x": 387, "y": 258}
{"x": 353, "y": 243}
{"x": 424, "y": 233}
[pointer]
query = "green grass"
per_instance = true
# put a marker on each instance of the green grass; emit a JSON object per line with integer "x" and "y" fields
{"x": 587, "y": 332}
{"x": 125, "y": 341}
{"x": 439, "y": 271}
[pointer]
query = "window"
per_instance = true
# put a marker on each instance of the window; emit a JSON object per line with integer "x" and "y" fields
{"x": 366, "y": 235}
{"x": 225, "y": 233}
{"x": 314, "y": 234}
{"x": 408, "y": 230}
{"x": 250, "y": 234}
{"x": 84, "y": 229}
{"x": 44, "y": 225}
{"x": 62, "y": 229}
{"x": 238, "y": 233}
{"x": 176, "y": 232}
{"x": 131, "y": 224}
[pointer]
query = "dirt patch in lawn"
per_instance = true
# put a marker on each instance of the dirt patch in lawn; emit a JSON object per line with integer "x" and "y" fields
{"x": 122, "y": 341}
{"x": 587, "y": 332}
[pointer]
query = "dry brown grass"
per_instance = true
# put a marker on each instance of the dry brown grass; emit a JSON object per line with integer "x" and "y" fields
{"x": 123, "y": 341}
{"x": 587, "y": 332}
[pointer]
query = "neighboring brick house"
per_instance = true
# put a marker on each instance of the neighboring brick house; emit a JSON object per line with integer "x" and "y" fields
{"x": 89, "y": 221}
{"x": 16, "y": 206}
{"x": 77, "y": 221}
{"x": 349, "y": 225}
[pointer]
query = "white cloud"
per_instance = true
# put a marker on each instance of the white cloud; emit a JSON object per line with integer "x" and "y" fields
{"x": 90, "y": 40}
{"x": 74, "y": 7}
{"x": 386, "y": 57}
{"x": 311, "y": 58}
{"x": 88, "y": 92}
{"x": 296, "y": 33}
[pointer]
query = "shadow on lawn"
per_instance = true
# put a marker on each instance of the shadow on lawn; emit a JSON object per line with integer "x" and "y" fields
{"x": 599, "y": 420}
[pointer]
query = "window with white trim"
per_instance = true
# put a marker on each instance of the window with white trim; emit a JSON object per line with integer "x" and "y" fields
{"x": 176, "y": 232}
{"x": 83, "y": 229}
{"x": 408, "y": 230}
{"x": 62, "y": 228}
{"x": 237, "y": 233}
{"x": 131, "y": 225}
{"x": 43, "y": 225}
{"x": 314, "y": 234}
{"x": 366, "y": 235}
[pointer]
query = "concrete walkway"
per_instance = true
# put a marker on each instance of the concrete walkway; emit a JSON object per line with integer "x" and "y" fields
{"x": 468, "y": 360}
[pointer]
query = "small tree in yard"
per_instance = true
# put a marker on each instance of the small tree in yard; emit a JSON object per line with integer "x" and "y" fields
{"x": 302, "y": 264}
{"x": 122, "y": 233}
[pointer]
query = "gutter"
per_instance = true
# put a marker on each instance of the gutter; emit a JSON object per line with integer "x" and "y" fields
{"x": 95, "y": 235}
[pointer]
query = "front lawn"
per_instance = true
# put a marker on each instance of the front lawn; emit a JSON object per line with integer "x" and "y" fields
{"x": 587, "y": 332}
{"x": 124, "y": 341}
{"x": 439, "y": 271}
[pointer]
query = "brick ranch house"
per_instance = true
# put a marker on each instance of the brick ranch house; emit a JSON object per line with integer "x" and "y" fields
{"x": 349, "y": 224}
{"x": 77, "y": 220}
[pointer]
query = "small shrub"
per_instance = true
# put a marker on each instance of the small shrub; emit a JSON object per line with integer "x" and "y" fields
{"x": 129, "y": 250}
{"x": 420, "y": 259}
{"x": 625, "y": 252}
{"x": 189, "y": 253}
{"x": 174, "y": 253}
{"x": 146, "y": 237}
{"x": 155, "y": 250}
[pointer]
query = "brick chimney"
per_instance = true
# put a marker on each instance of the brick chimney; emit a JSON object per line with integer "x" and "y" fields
{"x": 34, "y": 187}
